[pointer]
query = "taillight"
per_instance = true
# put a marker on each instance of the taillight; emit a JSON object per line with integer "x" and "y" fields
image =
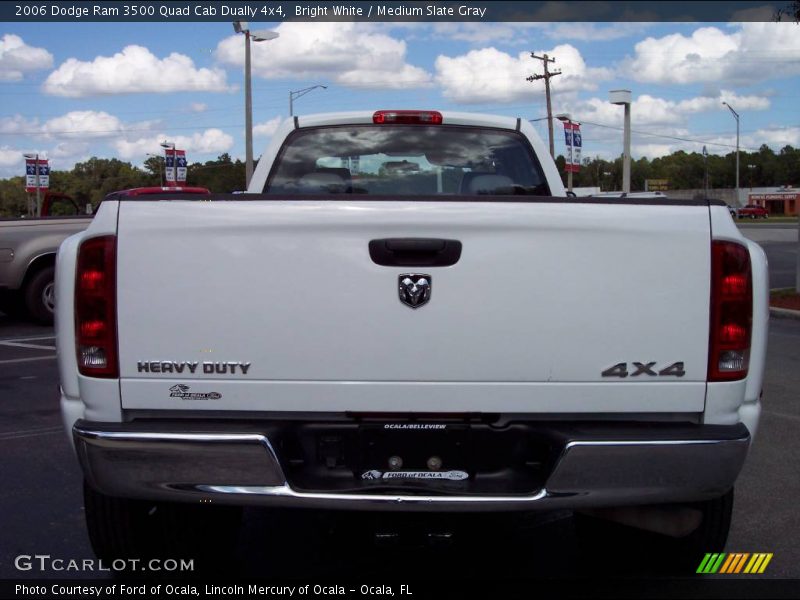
{"x": 406, "y": 117}
{"x": 731, "y": 311}
{"x": 95, "y": 307}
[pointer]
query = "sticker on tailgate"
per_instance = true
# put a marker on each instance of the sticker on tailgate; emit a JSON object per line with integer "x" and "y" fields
{"x": 184, "y": 393}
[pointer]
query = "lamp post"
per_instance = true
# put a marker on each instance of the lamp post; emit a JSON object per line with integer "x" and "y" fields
{"x": 567, "y": 118}
{"x": 624, "y": 97}
{"x": 736, "y": 116}
{"x": 256, "y": 36}
{"x": 705, "y": 172}
{"x": 294, "y": 95}
{"x": 35, "y": 157}
{"x": 165, "y": 144}
{"x": 160, "y": 171}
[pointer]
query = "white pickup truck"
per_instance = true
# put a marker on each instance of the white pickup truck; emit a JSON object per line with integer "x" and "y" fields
{"x": 407, "y": 312}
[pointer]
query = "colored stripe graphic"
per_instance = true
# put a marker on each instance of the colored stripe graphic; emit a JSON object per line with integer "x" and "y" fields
{"x": 734, "y": 563}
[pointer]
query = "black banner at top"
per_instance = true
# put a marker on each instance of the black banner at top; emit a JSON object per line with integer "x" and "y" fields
{"x": 370, "y": 11}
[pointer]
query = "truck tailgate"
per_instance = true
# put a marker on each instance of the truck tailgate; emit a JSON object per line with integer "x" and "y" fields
{"x": 545, "y": 297}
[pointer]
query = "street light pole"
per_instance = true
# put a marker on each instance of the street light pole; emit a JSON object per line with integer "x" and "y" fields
{"x": 256, "y": 36}
{"x": 38, "y": 189}
{"x": 293, "y": 95}
{"x": 736, "y": 116}
{"x": 248, "y": 112}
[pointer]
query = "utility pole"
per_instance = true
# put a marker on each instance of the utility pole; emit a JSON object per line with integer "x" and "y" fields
{"x": 705, "y": 172}
{"x": 547, "y": 75}
{"x": 735, "y": 116}
{"x": 624, "y": 97}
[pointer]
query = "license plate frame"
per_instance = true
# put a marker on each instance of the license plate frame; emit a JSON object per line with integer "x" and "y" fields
{"x": 415, "y": 444}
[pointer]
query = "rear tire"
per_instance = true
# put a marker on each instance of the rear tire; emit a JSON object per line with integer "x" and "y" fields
{"x": 646, "y": 551}
{"x": 121, "y": 528}
{"x": 40, "y": 296}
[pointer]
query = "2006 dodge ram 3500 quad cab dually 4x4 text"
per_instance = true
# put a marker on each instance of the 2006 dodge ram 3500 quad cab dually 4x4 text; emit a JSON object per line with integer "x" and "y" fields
{"x": 407, "y": 312}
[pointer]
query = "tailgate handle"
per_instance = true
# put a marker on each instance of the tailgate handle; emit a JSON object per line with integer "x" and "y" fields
{"x": 415, "y": 252}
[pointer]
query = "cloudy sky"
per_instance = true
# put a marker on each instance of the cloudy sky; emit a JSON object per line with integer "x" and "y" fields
{"x": 71, "y": 91}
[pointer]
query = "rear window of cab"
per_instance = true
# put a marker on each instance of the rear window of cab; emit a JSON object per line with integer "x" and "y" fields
{"x": 406, "y": 160}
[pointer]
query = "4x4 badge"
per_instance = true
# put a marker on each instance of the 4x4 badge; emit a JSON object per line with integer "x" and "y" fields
{"x": 415, "y": 289}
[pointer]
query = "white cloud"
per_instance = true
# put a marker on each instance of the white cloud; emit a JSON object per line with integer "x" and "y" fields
{"x": 73, "y": 125}
{"x": 267, "y": 128}
{"x": 655, "y": 150}
{"x": 350, "y": 54}
{"x": 11, "y": 157}
{"x": 18, "y": 125}
{"x": 68, "y": 150}
{"x": 83, "y": 124}
{"x": 210, "y": 141}
{"x": 198, "y": 107}
{"x": 651, "y": 110}
{"x": 134, "y": 70}
{"x": 776, "y": 138}
{"x": 753, "y": 53}
{"x": 17, "y": 58}
{"x": 489, "y": 75}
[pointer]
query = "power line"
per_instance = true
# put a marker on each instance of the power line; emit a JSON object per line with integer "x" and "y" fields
{"x": 660, "y": 135}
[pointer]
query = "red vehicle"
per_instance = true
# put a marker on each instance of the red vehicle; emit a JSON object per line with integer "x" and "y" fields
{"x": 753, "y": 211}
{"x": 146, "y": 191}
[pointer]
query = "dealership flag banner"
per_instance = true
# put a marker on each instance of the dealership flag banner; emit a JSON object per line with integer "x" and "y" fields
{"x": 572, "y": 135}
{"x": 30, "y": 174}
{"x": 171, "y": 158}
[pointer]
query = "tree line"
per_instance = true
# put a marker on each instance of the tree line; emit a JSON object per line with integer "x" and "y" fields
{"x": 686, "y": 171}
{"x": 90, "y": 181}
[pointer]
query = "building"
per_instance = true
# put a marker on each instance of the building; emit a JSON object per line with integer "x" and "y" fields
{"x": 778, "y": 201}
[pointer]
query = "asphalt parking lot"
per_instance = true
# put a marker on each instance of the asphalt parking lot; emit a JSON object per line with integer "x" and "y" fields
{"x": 41, "y": 501}
{"x": 779, "y": 241}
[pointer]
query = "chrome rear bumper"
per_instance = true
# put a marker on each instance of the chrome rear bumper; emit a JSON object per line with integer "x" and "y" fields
{"x": 242, "y": 467}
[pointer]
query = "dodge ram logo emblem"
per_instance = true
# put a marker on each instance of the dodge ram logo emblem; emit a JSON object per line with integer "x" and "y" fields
{"x": 415, "y": 289}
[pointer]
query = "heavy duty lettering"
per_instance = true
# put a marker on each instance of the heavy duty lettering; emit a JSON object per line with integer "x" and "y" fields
{"x": 167, "y": 366}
